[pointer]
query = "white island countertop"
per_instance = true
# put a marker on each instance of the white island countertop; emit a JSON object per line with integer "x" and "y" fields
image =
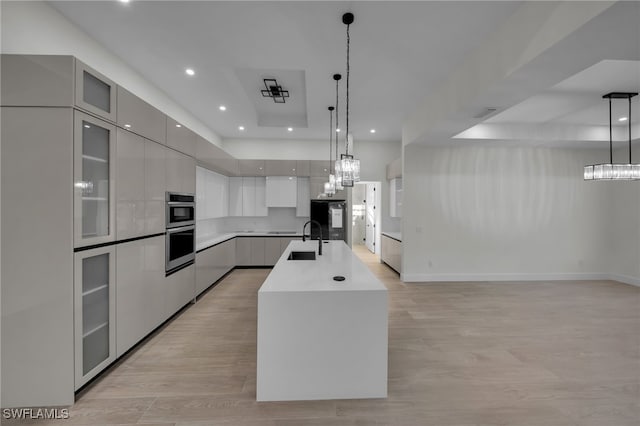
{"x": 317, "y": 275}
{"x": 319, "y": 338}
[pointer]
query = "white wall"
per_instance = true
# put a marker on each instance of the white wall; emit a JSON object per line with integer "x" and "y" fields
{"x": 479, "y": 213}
{"x": 37, "y": 28}
{"x": 624, "y": 224}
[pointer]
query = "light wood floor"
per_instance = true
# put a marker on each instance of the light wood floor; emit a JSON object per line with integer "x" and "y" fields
{"x": 460, "y": 354}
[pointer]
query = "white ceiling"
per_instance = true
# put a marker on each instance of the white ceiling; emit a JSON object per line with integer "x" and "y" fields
{"x": 400, "y": 52}
{"x": 572, "y": 112}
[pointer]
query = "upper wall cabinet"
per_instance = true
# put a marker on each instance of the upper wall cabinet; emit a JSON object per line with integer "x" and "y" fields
{"x": 95, "y": 92}
{"x": 319, "y": 168}
{"x": 394, "y": 169}
{"x": 94, "y": 170}
{"x": 281, "y": 191}
{"x": 139, "y": 117}
{"x": 181, "y": 138}
{"x": 280, "y": 167}
{"x": 251, "y": 168}
{"x": 37, "y": 80}
{"x": 302, "y": 168}
{"x": 180, "y": 172}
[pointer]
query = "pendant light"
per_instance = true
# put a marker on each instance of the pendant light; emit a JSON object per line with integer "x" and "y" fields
{"x": 349, "y": 167}
{"x": 330, "y": 186}
{"x": 338, "y": 166}
{"x": 613, "y": 171}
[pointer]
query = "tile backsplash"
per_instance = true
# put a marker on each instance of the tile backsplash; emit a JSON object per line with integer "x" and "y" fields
{"x": 279, "y": 219}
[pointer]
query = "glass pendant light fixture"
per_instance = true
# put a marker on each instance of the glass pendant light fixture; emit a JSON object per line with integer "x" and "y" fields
{"x": 611, "y": 171}
{"x": 330, "y": 186}
{"x": 338, "y": 166}
{"x": 349, "y": 166}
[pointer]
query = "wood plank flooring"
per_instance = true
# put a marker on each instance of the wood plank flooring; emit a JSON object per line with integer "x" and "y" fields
{"x": 460, "y": 354}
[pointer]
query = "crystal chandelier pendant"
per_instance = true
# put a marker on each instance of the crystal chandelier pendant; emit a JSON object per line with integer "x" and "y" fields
{"x": 330, "y": 187}
{"x": 338, "y": 176}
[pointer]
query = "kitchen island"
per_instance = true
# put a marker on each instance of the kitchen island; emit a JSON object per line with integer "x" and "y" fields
{"x": 319, "y": 338}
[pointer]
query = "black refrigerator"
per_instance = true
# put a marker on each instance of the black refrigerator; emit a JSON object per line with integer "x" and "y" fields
{"x": 332, "y": 216}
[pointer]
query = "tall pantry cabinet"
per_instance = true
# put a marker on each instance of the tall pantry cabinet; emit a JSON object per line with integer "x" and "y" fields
{"x": 85, "y": 168}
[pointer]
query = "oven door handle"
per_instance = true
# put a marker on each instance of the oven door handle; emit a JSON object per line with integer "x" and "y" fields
{"x": 180, "y": 229}
{"x": 181, "y": 203}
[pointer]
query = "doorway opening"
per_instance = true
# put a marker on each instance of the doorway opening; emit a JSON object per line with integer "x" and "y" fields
{"x": 366, "y": 214}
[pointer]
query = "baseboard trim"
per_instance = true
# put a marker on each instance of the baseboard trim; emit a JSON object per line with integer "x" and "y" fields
{"x": 428, "y": 278}
{"x": 625, "y": 279}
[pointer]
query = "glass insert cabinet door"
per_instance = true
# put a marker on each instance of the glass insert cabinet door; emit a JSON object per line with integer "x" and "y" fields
{"x": 94, "y": 312}
{"x": 95, "y": 92}
{"x": 94, "y": 208}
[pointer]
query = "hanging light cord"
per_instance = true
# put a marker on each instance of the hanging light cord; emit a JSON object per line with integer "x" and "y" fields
{"x": 330, "y": 138}
{"x": 337, "y": 78}
{"x": 346, "y": 135}
{"x": 629, "y": 120}
{"x": 610, "y": 136}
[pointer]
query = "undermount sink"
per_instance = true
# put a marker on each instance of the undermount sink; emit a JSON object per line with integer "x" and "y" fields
{"x": 302, "y": 255}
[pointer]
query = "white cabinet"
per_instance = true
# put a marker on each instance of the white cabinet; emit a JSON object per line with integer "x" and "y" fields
{"x": 181, "y": 138}
{"x": 140, "y": 189}
{"x": 137, "y": 116}
{"x": 213, "y": 263}
{"x": 180, "y": 172}
{"x": 235, "y": 196}
{"x": 260, "y": 202}
{"x": 391, "y": 252}
{"x": 180, "y": 289}
{"x": 94, "y": 170}
{"x": 243, "y": 251}
{"x": 395, "y": 197}
{"x": 155, "y": 187}
{"x": 94, "y": 92}
{"x": 272, "y": 250}
{"x": 247, "y": 196}
{"x": 94, "y": 312}
{"x": 281, "y": 191}
{"x": 140, "y": 297}
{"x": 130, "y": 188}
{"x": 212, "y": 194}
{"x": 260, "y": 251}
{"x": 303, "y": 201}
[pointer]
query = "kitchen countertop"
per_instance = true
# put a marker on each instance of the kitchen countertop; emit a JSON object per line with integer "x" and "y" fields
{"x": 394, "y": 235}
{"x": 317, "y": 275}
{"x": 211, "y": 240}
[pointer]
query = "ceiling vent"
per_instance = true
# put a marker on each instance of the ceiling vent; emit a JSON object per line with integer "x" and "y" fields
{"x": 486, "y": 112}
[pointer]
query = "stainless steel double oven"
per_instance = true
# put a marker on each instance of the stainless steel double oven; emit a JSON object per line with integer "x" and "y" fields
{"x": 181, "y": 230}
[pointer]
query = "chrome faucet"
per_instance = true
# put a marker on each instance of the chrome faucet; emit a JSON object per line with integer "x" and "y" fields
{"x": 319, "y": 227}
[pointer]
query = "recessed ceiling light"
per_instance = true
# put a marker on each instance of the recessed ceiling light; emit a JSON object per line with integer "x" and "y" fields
{"x": 222, "y": 108}
{"x": 190, "y": 71}
{"x": 290, "y": 129}
{"x": 260, "y": 168}
{"x": 87, "y": 126}
{"x": 128, "y": 126}
{"x": 623, "y": 118}
{"x": 241, "y": 128}
{"x": 372, "y": 131}
{"x": 337, "y": 130}
{"x": 124, "y": 1}
{"x": 178, "y": 125}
